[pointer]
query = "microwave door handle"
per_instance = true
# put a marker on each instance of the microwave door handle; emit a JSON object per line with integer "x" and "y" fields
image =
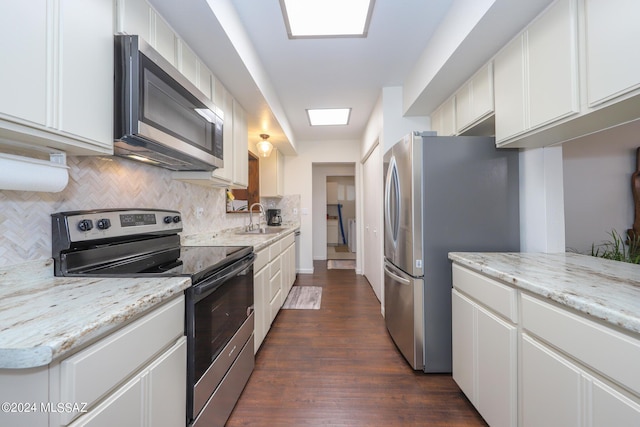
{"x": 216, "y": 280}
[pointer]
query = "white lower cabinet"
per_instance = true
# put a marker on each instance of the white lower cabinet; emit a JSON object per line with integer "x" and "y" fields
{"x": 550, "y": 388}
{"x": 133, "y": 377}
{"x": 273, "y": 275}
{"x": 485, "y": 360}
{"x": 525, "y": 361}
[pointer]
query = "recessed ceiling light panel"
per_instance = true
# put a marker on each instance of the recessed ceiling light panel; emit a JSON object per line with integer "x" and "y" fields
{"x": 329, "y": 116}
{"x": 326, "y": 18}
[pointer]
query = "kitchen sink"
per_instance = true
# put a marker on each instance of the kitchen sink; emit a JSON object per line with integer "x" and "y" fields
{"x": 263, "y": 231}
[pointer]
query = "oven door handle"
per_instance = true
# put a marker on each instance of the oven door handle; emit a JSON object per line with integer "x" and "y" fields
{"x": 217, "y": 280}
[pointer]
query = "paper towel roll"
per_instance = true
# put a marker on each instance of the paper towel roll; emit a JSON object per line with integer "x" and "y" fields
{"x": 27, "y": 174}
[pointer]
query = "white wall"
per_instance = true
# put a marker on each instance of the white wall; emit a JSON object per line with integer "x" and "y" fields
{"x": 597, "y": 185}
{"x": 541, "y": 200}
{"x": 299, "y": 180}
{"x": 395, "y": 126}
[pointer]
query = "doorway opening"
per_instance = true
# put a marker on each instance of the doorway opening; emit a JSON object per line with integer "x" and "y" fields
{"x": 341, "y": 218}
{"x": 334, "y": 214}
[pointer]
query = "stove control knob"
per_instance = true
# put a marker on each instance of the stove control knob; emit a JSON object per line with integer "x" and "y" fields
{"x": 85, "y": 225}
{"x": 176, "y": 219}
{"x": 103, "y": 223}
{"x": 168, "y": 220}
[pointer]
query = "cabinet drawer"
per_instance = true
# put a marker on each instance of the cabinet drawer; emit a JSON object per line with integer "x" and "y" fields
{"x": 262, "y": 258}
{"x": 275, "y": 305}
{"x": 275, "y": 283}
{"x": 90, "y": 374}
{"x": 287, "y": 241}
{"x": 603, "y": 349}
{"x": 498, "y": 297}
{"x": 275, "y": 266}
{"x": 274, "y": 250}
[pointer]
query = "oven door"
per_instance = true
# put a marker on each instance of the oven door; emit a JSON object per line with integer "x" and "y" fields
{"x": 219, "y": 323}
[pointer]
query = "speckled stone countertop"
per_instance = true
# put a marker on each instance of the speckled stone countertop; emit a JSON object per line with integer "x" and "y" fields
{"x": 44, "y": 318}
{"x": 604, "y": 289}
{"x": 232, "y": 238}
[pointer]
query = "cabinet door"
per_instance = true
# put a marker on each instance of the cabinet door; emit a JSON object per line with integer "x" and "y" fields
{"x": 497, "y": 369}
{"x": 225, "y": 173}
{"x": 463, "y": 335}
{"x": 609, "y": 407}
{"x": 188, "y": 62}
{"x": 124, "y": 408}
{"x": 436, "y": 121}
{"x": 240, "y": 147}
{"x": 474, "y": 101}
{"x": 550, "y": 388}
{"x": 163, "y": 39}
{"x": 464, "y": 107}
{"x": 613, "y": 57}
{"x": 262, "y": 310}
{"x": 449, "y": 117}
{"x": 23, "y": 74}
{"x": 553, "y": 65}
{"x": 272, "y": 175}
{"x": 166, "y": 395}
{"x": 86, "y": 70}
{"x": 205, "y": 81}
{"x": 482, "y": 84}
{"x": 134, "y": 17}
{"x": 509, "y": 87}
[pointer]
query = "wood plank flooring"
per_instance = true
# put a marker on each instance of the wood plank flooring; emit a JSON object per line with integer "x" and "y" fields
{"x": 337, "y": 366}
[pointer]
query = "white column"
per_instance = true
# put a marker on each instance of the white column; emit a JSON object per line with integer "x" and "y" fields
{"x": 541, "y": 200}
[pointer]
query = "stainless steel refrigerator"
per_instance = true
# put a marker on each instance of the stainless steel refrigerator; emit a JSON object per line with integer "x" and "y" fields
{"x": 442, "y": 194}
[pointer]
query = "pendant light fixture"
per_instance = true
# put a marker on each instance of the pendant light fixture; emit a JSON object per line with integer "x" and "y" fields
{"x": 264, "y": 147}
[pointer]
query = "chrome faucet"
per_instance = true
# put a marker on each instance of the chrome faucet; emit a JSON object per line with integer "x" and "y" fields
{"x": 261, "y": 217}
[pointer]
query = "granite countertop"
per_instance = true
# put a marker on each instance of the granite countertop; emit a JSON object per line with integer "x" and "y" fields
{"x": 44, "y": 318}
{"x": 604, "y": 289}
{"x": 232, "y": 238}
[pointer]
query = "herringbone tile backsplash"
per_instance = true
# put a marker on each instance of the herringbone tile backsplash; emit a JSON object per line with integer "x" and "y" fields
{"x": 100, "y": 183}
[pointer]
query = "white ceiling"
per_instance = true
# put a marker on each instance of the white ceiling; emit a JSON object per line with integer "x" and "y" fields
{"x": 339, "y": 72}
{"x": 319, "y": 73}
{"x": 245, "y": 44}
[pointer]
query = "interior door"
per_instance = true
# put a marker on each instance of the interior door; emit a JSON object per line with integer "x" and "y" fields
{"x": 372, "y": 236}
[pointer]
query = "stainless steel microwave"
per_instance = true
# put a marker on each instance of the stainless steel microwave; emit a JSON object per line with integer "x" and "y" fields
{"x": 161, "y": 118}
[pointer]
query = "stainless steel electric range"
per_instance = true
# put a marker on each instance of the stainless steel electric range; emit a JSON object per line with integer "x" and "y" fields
{"x": 219, "y": 304}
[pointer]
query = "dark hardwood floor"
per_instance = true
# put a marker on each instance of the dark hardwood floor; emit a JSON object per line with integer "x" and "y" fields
{"x": 337, "y": 366}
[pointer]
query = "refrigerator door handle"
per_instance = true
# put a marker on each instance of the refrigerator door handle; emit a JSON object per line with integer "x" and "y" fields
{"x": 395, "y": 277}
{"x": 392, "y": 201}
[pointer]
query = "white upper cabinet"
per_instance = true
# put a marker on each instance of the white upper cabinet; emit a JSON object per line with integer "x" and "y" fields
{"x": 240, "y": 147}
{"x": 573, "y": 71}
{"x": 474, "y": 101}
{"x": 552, "y": 50}
{"x": 443, "y": 119}
{"x": 23, "y": 80}
{"x": 136, "y": 17}
{"x": 57, "y": 77}
{"x": 188, "y": 64}
{"x": 536, "y": 74}
{"x": 272, "y": 175}
{"x": 225, "y": 174}
{"x": 86, "y": 70}
{"x": 612, "y": 52}
{"x": 510, "y": 90}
